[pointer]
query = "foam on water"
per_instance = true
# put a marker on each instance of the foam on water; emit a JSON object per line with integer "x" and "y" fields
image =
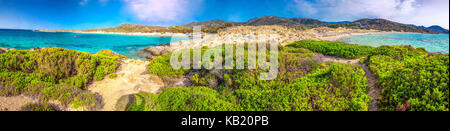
{"x": 127, "y": 45}
{"x": 431, "y": 42}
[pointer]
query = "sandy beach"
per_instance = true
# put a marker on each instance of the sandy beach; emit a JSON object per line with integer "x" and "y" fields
{"x": 337, "y": 37}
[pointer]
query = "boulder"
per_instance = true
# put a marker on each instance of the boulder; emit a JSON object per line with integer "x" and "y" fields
{"x": 155, "y": 51}
{"x": 150, "y": 57}
{"x": 124, "y": 102}
{"x": 165, "y": 51}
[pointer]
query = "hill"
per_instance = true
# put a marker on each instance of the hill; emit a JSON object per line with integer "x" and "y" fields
{"x": 272, "y": 20}
{"x": 213, "y": 26}
{"x": 127, "y": 27}
{"x": 292, "y": 22}
{"x": 385, "y": 25}
{"x": 308, "y": 21}
{"x": 438, "y": 29}
{"x": 211, "y": 23}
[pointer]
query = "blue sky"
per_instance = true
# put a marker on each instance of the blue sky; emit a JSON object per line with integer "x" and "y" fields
{"x": 84, "y": 14}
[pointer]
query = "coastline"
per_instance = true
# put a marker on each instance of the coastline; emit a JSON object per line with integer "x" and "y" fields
{"x": 288, "y": 36}
{"x": 337, "y": 37}
{"x": 156, "y": 34}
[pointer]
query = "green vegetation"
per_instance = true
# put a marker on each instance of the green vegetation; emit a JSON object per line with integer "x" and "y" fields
{"x": 38, "y": 107}
{"x": 334, "y": 48}
{"x": 412, "y": 79}
{"x": 55, "y": 73}
{"x": 181, "y": 99}
{"x": 302, "y": 84}
{"x": 160, "y": 66}
{"x": 112, "y": 76}
{"x": 328, "y": 87}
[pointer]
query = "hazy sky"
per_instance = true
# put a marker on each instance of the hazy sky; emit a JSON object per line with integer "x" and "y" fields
{"x": 83, "y": 14}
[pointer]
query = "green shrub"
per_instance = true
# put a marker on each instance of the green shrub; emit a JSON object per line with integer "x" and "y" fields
{"x": 55, "y": 73}
{"x": 38, "y": 107}
{"x": 181, "y": 99}
{"x": 144, "y": 102}
{"x": 331, "y": 86}
{"x": 334, "y": 48}
{"x": 112, "y": 76}
{"x": 411, "y": 78}
{"x": 192, "y": 99}
{"x": 301, "y": 85}
{"x": 161, "y": 67}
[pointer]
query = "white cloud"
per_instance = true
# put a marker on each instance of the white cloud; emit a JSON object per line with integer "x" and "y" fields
{"x": 162, "y": 11}
{"x": 435, "y": 12}
{"x": 419, "y": 12}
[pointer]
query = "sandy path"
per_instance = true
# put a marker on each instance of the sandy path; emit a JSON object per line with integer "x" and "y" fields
{"x": 15, "y": 103}
{"x": 131, "y": 79}
{"x": 374, "y": 91}
{"x": 324, "y": 58}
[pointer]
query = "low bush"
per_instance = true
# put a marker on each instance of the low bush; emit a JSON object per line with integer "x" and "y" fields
{"x": 334, "y": 48}
{"x": 411, "y": 79}
{"x": 55, "y": 73}
{"x": 302, "y": 85}
{"x": 38, "y": 107}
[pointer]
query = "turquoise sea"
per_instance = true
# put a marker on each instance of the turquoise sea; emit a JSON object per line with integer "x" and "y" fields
{"x": 431, "y": 42}
{"x": 130, "y": 46}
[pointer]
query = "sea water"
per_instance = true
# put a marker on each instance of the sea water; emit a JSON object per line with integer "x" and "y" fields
{"x": 127, "y": 45}
{"x": 431, "y": 42}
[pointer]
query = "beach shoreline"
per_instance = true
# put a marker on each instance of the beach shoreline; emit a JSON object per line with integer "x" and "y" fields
{"x": 156, "y": 34}
{"x": 337, "y": 37}
{"x": 287, "y": 36}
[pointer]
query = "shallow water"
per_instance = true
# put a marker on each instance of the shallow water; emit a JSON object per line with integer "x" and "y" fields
{"x": 126, "y": 45}
{"x": 431, "y": 42}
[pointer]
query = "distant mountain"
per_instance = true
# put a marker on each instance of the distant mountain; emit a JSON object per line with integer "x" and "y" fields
{"x": 213, "y": 26}
{"x": 211, "y": 23}
{"x": 60, "y": 30}
{"x": 438, "y": 29}
{"x": 274, "y": 20}
{"x": 308, "y": 21}
{"x": 271, "y": 20}
{"x": 127, "y": 27}
{"x": 339, "y": 22}
{"x": 386, "y": 25}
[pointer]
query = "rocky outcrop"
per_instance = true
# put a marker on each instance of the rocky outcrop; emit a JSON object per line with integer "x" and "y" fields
{"x": 156, "y": 51}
